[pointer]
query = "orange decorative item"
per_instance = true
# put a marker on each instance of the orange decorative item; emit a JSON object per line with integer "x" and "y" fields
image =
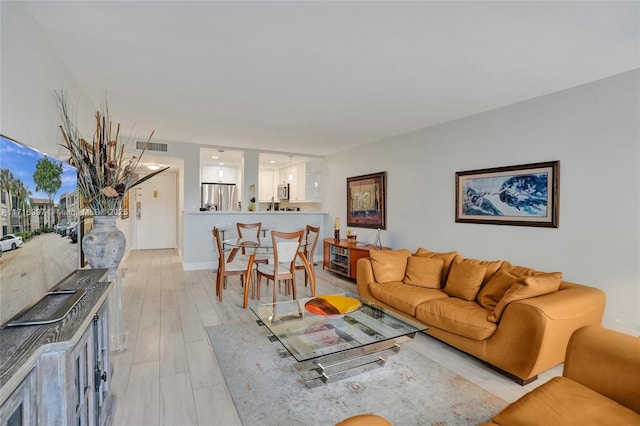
{"x": 332, "y": 306}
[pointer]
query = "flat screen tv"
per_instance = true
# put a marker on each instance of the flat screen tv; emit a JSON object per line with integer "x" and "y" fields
{"x": 42, "y": 218}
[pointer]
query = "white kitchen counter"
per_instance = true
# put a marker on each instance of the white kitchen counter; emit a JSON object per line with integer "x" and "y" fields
{"x": 198, "y": 252}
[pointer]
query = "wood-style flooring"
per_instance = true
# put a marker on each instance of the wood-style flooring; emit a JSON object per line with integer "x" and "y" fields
{"x": 168, "y": 374}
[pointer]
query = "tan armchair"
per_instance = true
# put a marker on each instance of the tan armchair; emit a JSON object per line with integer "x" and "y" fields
{"x": 600, "y": 385}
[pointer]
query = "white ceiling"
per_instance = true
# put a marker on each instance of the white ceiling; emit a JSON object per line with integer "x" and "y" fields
{"x": 318, "y": 77}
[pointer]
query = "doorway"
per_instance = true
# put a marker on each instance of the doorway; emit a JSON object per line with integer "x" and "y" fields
{"x": 155, "y": 211}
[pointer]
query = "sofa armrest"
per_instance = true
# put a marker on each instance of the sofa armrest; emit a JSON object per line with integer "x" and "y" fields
{"x": 606, "y": 361}
{"x": 533, "y": 333}
{"x": 364, "y": 277}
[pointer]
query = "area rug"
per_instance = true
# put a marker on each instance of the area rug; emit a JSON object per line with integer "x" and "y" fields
{"x": 409, "y": 390}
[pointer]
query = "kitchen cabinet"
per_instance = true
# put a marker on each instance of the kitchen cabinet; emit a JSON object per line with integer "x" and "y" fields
{"x": 267, "y": 186}
{"x": 313, "y": 180}
{"x": 211, "y": 174}
{"x": 297, "y": 184}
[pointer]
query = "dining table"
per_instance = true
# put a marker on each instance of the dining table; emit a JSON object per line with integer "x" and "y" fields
{"x": 263, "y": 246}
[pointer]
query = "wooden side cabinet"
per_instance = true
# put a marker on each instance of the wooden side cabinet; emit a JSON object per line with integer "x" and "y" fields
{"x": 342, "y": 256}
{"x": 69, "y": 384}
{"x": 79, "y": 392}
{"x": 20, "y": 408}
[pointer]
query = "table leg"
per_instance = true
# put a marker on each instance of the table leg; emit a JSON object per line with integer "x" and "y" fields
{"x": 309, "y": 269}
{"x": 247, "y": 280}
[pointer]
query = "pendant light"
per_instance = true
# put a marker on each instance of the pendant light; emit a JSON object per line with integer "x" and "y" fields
{"x": 220, "y": 163}
{"x": 290, "y": 168}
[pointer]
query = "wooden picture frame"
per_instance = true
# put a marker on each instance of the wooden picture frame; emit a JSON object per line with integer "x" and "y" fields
{"x": 524, "y": 195}
{"x": 367, "y": 201}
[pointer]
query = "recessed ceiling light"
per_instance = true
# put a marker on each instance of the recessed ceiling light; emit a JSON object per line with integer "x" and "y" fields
{"x": 215, "y": 157}
{"x": 273, "y": 161}
{"x": 153, "y": 166}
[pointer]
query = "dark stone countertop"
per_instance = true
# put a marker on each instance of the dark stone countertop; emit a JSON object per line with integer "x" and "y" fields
{"x": 21, "y": 346}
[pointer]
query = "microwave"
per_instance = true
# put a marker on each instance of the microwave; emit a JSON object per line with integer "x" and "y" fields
{"x": 283, "y": 191}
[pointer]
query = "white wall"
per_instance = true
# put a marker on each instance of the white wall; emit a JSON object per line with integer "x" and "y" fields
{"x": 593, "y": 130}
{"x": 31, "y": 72}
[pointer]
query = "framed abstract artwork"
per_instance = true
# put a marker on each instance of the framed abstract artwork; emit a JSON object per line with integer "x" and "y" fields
{"x": 367, "y": 201}
{"x": 525, "y": 195}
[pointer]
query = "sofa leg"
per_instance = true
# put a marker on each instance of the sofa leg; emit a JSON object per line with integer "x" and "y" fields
{"x": 525, "y": 382}
{"x": 518, "y": 380}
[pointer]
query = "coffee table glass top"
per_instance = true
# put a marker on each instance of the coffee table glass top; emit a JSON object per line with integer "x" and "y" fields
{"x": 307, "y": 336}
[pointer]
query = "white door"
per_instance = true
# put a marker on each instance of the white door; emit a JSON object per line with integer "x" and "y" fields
{"x": 156, "y": 212}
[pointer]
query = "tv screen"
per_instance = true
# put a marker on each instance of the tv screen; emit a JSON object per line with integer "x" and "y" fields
{"x": 39, "y": 200}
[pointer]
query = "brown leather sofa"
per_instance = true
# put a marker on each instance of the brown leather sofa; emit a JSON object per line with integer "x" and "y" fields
{"x": 600, "y": 385}
{"x": 514, "y": 318}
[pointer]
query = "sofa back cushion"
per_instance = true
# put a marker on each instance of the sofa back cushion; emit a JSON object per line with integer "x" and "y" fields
{"x": 520, "y": 271}
{"x": 525, "y": 288}
{"x": 491, "y": 293}
{"x": 423, "y": 271}
{"x": 491, "y": 266}
{"x": 446, "y": 257}
{"x": 389, "y": 265}
{"x": 465, "y": 279}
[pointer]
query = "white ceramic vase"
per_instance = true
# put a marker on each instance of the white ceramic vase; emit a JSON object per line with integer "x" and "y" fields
{"x": 104, "y": 244}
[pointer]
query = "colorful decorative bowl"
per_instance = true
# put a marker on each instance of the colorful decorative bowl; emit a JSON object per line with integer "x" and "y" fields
{"x": 332, "y": 306}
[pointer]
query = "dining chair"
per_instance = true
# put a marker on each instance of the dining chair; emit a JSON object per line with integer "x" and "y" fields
{"x": 285, "y": 252}
{"x": 251, "y": 231}
{"x": 311, "y": 239}
{"x": 225, "y": 269}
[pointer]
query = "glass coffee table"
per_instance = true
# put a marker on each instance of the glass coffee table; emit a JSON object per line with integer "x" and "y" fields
{"x": 329, "y": 348}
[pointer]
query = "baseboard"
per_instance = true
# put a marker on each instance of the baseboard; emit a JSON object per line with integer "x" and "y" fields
{"x": 198, "y": 266}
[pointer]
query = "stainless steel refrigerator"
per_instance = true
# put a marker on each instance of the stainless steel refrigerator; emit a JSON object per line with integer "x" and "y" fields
{"x": 218, "y": 196}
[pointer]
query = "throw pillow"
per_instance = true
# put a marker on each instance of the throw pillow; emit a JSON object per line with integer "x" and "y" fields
{"x": 491, "y": 265}
{"x": 446, "y": 257}
{"x": 521, "y": 271}
{"x": 525, "y": 288}
{"x": 389, "y": 265}
{"x": 491, "y": 293}
{"x": 465, "y": 279}
{"x": 423, "y": 271}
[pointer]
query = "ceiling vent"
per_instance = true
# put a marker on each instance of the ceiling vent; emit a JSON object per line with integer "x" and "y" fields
{"x": 152, "y": 146}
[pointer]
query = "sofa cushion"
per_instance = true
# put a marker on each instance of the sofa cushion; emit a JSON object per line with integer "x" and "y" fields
{"x": 562, "y": 401}
{"x": 457, "y": 316}
{"x": 465, "y": 279}
{"x": 423, "y": 271}
{"x": 389, "y": 265}
{"x": 525, "y": 288}
{"x": 491, "y": 265}
{"x": 491, "y": 293}
{"x": 520, "y": 271}
{"x": 404, "y": 297}
{"x": 446, "y": 257}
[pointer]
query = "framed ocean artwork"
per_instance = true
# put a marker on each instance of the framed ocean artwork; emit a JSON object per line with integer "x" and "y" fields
{"x": 524, "y": 195}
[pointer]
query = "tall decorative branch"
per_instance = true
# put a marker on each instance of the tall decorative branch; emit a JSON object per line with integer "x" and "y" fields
{"x": 106, "y": 171}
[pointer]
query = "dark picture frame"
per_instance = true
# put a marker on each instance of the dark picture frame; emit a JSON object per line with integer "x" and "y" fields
{"x": 367, "y": 201}
{"x": 523, "y": 195}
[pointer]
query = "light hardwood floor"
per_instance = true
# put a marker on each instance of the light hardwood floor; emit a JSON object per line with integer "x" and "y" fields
{"x": 168, "y": 374}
